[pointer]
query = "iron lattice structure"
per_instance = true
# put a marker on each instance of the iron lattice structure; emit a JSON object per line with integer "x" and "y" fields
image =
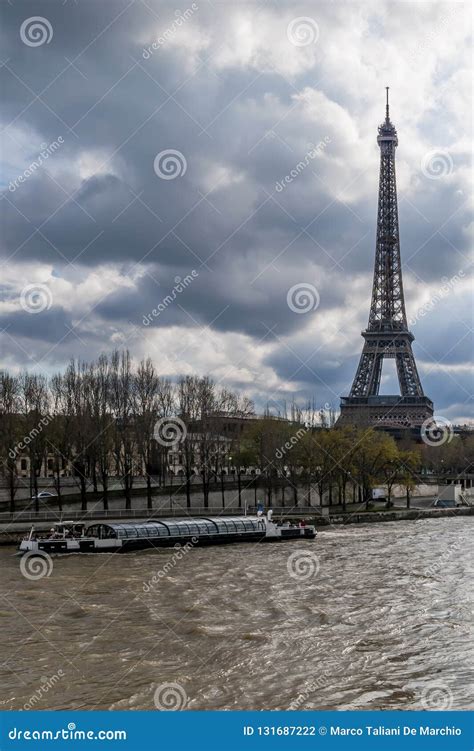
{"x": 387, "y": 333}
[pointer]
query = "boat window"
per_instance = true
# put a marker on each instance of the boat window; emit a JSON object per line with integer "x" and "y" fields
{"x": 182, "y": 528}
{"x": 130, "y": 532}
{"x": 158, "y": 528}
{"x": 193, "y": 529}
{"x": 201, "y": 527}
{"x": 249, "y": 525}
{"x": 142, "y": 531}
{"x": 221, "y": 526}
{"x": 153, "y": 530}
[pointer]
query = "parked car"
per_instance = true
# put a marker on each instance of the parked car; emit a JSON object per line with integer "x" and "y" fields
{"x": 445, "y": 503}
{"x": 43, "y": 496}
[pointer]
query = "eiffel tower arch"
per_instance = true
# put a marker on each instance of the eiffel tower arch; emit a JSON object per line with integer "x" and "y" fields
{"x": 387, "y": 333}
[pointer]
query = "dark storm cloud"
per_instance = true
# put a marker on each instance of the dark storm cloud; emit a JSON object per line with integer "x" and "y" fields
{"x": 55, "y": 325}
{"x": 255, "y": 309}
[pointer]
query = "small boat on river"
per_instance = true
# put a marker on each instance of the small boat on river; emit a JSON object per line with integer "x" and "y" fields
{"x": 111, "y": 537}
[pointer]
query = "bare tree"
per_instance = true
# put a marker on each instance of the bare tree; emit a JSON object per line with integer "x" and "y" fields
{"x": 9, "y": 430}
{"x": 122, "y": 403}
{"x": 34, "y": 409}
{"x": 99, "y": 401}
{"x": 188, "y": 412}
{"x": 61, "y": 433}
{"x": 76, "y": 385}
{"x": 146, "y": 409}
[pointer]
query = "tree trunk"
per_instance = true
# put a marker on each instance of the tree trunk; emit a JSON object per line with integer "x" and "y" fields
{"x": 58, "y": 491}
{"x": 239, "y": 487}
{"x": 34, "y": 484}
{"x": 128, "y": 497}
{"x": 82, "y": 480}
{"x": 205, "y": 489}
{"x": 105, "y": 490}
{"x": 188, "y": 488}
{"x": 12, "y": 489}
{"x": 149, "y": 499}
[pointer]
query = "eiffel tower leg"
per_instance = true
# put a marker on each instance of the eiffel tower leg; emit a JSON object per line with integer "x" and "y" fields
{"x": 374, "y": 385}
{"x": 367, "y": 378}
{"x": 408, "y": 378}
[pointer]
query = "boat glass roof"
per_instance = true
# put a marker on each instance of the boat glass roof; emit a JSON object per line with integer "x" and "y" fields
{"x": 186, "y": 527}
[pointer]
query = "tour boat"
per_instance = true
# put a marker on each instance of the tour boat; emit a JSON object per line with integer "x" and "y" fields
{"x": 101, "y": 537}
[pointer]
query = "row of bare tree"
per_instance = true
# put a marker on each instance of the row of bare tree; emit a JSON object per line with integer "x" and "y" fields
{"x": 97, "y": 420}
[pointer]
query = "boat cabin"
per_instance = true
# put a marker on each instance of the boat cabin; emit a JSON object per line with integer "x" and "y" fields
{"x": 179, "y": 528}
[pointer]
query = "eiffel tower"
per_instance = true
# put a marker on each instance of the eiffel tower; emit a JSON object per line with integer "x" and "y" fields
{"x": 387, "y": 333}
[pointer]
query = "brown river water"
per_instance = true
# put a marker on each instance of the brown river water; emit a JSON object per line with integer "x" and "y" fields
{"x": 364, "y": 617}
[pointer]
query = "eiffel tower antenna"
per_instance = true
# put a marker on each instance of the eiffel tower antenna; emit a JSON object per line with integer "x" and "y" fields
{"x": 387, "y": 333}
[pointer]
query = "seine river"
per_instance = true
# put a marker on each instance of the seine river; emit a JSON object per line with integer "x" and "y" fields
{"x": 364, "y": 617}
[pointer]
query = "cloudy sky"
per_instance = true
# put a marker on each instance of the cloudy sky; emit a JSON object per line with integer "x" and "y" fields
{"x": 152, "y": 199}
